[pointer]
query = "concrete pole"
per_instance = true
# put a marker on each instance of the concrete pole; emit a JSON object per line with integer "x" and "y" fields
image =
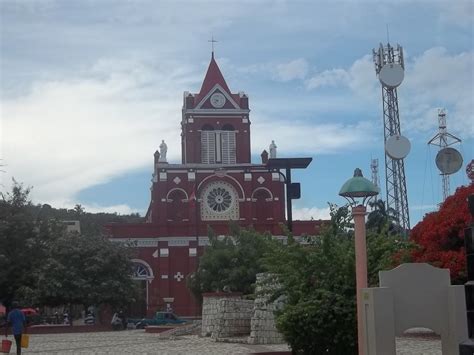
{"x": 358, "y": 213}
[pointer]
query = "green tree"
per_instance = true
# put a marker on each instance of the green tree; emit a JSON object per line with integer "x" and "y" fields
{"x": 381, "y": 217}
{"x": 230, "y": 264}
{"x": 19, "y": 239}
{"x": 87, "y": 270}
{"x": 42, "y": 264}
{"x": 318, "y": 283}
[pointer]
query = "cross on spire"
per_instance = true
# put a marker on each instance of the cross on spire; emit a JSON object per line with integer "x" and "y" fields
{"x": 212, "y": 40}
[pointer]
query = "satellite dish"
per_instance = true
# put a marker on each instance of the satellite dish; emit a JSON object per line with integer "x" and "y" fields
{"x": 391, "y": 75}
{"x": 397, "y": 147}
{"x": 448, "y": 161}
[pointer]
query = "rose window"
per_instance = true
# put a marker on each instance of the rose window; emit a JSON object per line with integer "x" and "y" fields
{"x": 219, "y": 199}
{"x": 219, "y": 202}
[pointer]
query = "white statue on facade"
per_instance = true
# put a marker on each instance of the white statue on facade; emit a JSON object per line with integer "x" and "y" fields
{"x": 163, "y": 150}
{"x": 273, "y": 150}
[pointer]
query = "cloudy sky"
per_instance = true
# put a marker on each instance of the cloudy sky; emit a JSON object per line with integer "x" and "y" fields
{"x": 89, "y": 89}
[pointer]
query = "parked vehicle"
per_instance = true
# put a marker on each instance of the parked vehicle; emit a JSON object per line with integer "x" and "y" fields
{"x": 160, "y": 318}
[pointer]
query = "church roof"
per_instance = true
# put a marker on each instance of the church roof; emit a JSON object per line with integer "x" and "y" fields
{"x": 213, "y": 77}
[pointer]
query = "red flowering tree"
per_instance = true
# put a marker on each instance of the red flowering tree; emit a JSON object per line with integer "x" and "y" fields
{"x": 440, "y": 235}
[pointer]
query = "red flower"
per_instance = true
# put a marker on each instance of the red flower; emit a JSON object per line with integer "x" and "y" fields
{"x": 440, "y": 235}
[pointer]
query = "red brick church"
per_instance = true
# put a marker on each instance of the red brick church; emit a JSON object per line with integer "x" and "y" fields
{"x": 216, "y": 182}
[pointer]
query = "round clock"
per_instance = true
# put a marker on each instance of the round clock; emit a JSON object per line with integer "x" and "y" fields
{"x": 217, "y": 100}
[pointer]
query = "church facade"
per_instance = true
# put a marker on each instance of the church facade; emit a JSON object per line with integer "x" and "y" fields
{"x": 215, "y": 183}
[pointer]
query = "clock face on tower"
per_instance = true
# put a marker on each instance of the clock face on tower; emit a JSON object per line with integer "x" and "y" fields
{"x": 217, "y": 100}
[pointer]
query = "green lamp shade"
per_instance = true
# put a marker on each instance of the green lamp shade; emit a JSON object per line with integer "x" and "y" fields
{"x": 358, "y": 186}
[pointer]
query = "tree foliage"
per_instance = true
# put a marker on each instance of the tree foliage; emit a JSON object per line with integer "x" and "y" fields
{"x": 318, "y": 281}
{"x": 440, "y": 235}
{"x": 40, "y": 263}
{"x": 230, "y": 263}
{"x": 317, "y": 278}
{"x": 381, "y": 218}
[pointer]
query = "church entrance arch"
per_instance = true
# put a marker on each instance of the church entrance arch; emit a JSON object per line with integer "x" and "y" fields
{"x": 142, "y": 276}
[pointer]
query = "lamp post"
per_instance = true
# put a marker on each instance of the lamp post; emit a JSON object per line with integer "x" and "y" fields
{"x": 358, "y": 191}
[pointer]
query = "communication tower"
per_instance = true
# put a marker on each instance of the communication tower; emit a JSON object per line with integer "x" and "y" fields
{"x": 448, "y": 160}
{"x": 389, "y": 67}
{"x": 374, "y": 167}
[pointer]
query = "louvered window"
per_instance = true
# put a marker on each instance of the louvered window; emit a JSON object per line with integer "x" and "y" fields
{"x": 218, "y": 147}
{"x": 208, "y": 147}
{"x": 228, "y": 147}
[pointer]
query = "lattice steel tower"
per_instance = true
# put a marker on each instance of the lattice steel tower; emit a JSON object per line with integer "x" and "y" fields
{"x": 443, "y": 140}
{"x": 374, "y": 167}
{"x": 389, "y": 67}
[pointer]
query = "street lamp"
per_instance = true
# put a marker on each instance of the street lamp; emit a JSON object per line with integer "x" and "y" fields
{"x": 358, "y": 191}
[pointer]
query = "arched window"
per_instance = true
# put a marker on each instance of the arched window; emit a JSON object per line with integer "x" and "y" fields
{"x": 262, "y": 205}
{"x": 141, "y": 271}
{"x": 177, "y": 210}
{"x": 207, "y": 127}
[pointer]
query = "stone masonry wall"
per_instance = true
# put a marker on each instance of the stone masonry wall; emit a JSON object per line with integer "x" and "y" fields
{"x": 233, "y": 318}
{"x": 226, "y": 315}
{"x": 262, "y": 326}
{"x": 211, "y": 310}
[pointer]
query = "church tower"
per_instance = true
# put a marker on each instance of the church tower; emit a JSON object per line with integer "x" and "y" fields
{"x": 215, "y": 128}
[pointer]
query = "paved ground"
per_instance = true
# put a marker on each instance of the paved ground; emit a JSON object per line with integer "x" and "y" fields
{"x": 139, "y": 342}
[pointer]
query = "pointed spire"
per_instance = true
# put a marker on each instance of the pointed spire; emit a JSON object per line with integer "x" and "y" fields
{"x": 213, "y": 77}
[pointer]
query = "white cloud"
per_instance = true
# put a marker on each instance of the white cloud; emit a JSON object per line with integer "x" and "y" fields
{"x": 434, "y": 79}
{"x": 438, "y": 79}
{"x": 296, "y": 69}
{"x": 328, "y": 78}
{"x": 458, "y": 13}
{"x": 360, "y": 78}
{"x": 311, "y": 138}
{"x": 65, "y": 136}
{"x": 119, "y": 209}
{"x": 305, "y": 213}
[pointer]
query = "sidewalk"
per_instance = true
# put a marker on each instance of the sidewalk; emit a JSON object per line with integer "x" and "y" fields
{"x": 139, "y": 342}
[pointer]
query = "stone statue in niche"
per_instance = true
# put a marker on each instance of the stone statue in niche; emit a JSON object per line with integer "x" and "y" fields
{"x": 163, "y": 151}
{"x": 273, "y": 150}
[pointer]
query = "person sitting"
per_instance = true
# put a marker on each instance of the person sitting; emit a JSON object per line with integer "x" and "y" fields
{"x": 116, "y": 322}
{"x": 89, "y": 319}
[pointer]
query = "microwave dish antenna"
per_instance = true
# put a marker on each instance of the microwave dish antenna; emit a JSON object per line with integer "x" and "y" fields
{"x": 397, "y": 147}
{"x": 391, "y": 75}
{"x": 448, "y": 160}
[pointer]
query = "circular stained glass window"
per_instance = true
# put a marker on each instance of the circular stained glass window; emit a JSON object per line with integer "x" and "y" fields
{"x": 219, "y": 199}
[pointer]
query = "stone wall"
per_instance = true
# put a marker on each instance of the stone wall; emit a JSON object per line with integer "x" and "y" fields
{"x": 233, "y": 318}
{"x": 262, "y": 325}
{"x": 211, "y": 310}
{"x": 226, "y": 316}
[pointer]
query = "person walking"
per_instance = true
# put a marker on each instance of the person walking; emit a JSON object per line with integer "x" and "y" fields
{"x": 17, "y": 320}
